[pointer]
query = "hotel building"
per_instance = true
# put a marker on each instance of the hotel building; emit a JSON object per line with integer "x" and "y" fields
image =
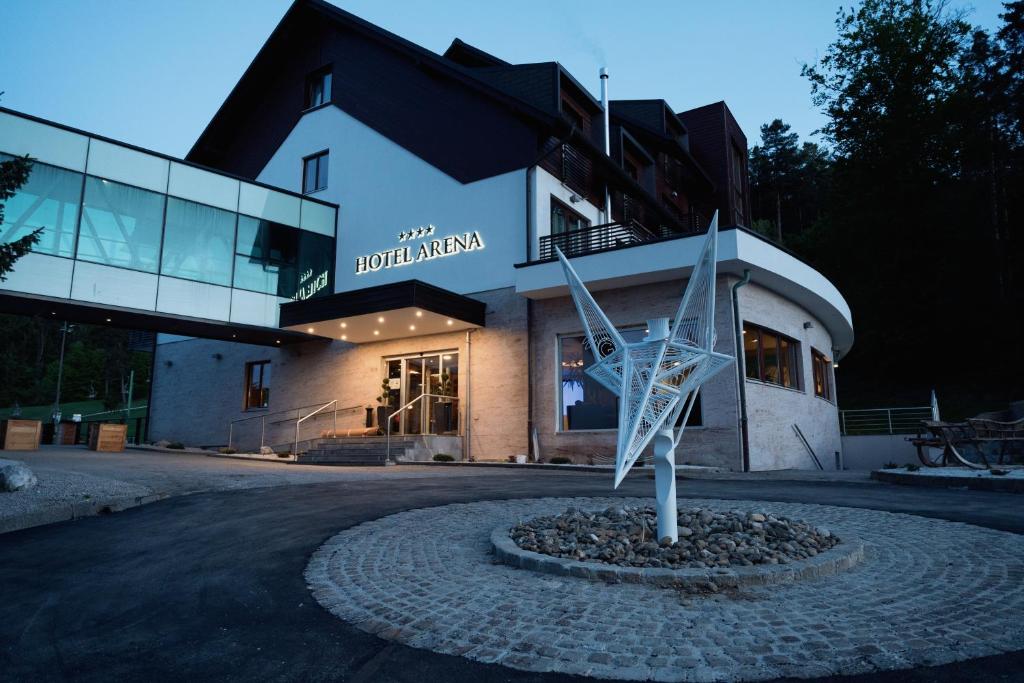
{"x": 366, "y": 224}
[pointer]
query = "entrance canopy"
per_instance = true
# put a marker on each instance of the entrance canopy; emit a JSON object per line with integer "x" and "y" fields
{"x": 394, "y": 311}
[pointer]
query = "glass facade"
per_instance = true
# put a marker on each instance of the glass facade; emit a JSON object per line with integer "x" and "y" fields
{"x": 198, "y": 242}
{"x": 48, "y": 200}
{"x": 121, "y": 225}
{"x": 771, "y": 357}
{"x": 114, "y": 224}
{"x": 281, "y": 260}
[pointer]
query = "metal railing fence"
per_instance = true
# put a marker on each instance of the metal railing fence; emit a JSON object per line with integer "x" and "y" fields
{"x": 883, "y": 420}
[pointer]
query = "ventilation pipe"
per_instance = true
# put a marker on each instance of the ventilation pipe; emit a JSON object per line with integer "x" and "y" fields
{"x": 607, "y": 141}
{"x": 741, "y": 370}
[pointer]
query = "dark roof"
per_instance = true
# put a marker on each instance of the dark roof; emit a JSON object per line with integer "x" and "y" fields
{"x": 465, "y": 54}
{"x": 388, "y": 83}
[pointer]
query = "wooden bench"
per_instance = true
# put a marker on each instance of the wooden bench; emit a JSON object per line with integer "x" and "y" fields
{"x": 962, "y": 442}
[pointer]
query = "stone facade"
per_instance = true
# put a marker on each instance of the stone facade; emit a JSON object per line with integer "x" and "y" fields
{"x": 773, "y": 410}
{"x": 716, "y": 442}
{"x": 495, "y": 387}
{"x": 198, "y": 384}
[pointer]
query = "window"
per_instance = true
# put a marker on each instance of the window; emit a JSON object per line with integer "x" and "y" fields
{"x": 121, "y": 225}
{"x": 314, "y": 173}
{"x": 277, "y": 259}
{"x": 198, "y": 242}
{"x": 257, "y": 384}
{"x": 564, "y": 219}
{"x": 318, "y": 88}
{"x": 771, "y": 357}
{"x": 585, "y": 403}
{"x": 49, "y": 199}
{"x": 821, "y": 366}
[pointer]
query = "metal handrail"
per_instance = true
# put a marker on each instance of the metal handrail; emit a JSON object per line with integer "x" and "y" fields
{"x": 298, "y": 423}
{"x": 406, "y": 407}
{"x": 900, "y": 420}
{"x": 263, "y": 419}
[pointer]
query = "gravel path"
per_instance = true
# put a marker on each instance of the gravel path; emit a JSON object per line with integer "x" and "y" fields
{"x": 76, "y": 482}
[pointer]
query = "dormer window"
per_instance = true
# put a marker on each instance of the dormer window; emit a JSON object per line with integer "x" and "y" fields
{"x": 318, "y": 88}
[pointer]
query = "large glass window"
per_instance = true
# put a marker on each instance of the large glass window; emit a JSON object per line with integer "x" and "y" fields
{"x": 822, "y": 369}
{"x": 257, "y": 384}
{"x": 283, "y": 261}
{"x": 121, "y": 225}
{"x": 198, "y": 242}
{"x": 48, "y": 200}
{"x": 771, "y": 357}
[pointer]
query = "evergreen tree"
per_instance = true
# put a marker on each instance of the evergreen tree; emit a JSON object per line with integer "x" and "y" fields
{"x": 13, "y": 174}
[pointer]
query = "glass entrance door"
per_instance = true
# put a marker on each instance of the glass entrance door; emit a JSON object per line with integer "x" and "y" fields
{"x": 436, "y": 374}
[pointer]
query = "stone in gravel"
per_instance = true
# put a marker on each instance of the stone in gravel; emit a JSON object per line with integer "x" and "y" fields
{"x": 15, "y": 476}
{"x": 621, "y": 536}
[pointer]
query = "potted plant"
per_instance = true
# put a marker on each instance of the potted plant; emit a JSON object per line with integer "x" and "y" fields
{"x": 385, "y": 410}
{"x": 444, "y": 408}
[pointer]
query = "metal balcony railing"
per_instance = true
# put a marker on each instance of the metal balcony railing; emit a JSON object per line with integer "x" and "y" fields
{"x": 607, "y": 236}
{"x": 884, "y": 420}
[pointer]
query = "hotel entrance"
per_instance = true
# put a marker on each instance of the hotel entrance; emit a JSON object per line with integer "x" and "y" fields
{"x": 426, "y": 385}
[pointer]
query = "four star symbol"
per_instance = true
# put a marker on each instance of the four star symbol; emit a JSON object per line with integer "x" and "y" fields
{"x": 416, "y": 233}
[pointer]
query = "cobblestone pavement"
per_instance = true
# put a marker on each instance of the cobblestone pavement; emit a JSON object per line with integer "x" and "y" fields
{"x": 928, "y": 592}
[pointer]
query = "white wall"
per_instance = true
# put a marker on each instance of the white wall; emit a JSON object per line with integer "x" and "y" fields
{"x": 383, "y": 190}
{"x": 772, "y": 410}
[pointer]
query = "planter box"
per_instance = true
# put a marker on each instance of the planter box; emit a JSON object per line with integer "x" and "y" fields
{"x": 109, "y": 438}
{"x": 20, "y": 435}
{"x": 66, "y": 434}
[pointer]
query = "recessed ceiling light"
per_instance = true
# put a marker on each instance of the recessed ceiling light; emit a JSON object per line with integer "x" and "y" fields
{"x": 234, "y": 336}
{"x": 344, "y": 337}
{"x": 53, "y": 312}
{"x": 278, "y": 341}
{"x": 380, "y": 319}
{"x": 376, "y": 332}
{"x": 449, "y": 322}
{"x": 412, "y": 327}
{"x": 310, "y": 330}
{"x": 344, "y": 325}
{"x": 108, "y": 320}
{"x": 419, "y": 314}
{"x": 447, "y": 357}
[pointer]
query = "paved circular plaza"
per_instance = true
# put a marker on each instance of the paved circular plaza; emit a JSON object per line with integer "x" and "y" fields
{"x": 927, "y": 592}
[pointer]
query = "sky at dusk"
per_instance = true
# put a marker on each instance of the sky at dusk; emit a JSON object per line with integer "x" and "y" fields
{"x": 154, "y": 73}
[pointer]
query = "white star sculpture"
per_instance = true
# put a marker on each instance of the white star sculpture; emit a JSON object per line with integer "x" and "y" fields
{"x": 658, "y": 378}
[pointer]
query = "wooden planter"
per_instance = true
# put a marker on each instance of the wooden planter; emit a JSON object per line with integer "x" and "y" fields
{"x": 20, "y": 435}
{"x": 110, "y": 438}
{"x": 65, "y": 434}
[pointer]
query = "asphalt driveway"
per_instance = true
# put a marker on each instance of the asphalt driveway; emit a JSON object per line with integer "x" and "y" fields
{"x": 210, "y": 585}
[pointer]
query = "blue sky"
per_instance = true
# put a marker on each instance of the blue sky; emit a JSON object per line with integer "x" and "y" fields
{"x": 153, "y": 73}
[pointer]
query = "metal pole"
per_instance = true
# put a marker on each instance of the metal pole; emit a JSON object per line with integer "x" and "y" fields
{"x": 60, "y": 372}
{"x": 231, "y": 428}
{"x": 335, "y": 434}
{"x": 128, "y": 410}
{"x": 607, "y": 141}
{"x": 888, "y": 414}
{"x": 263, "y": 430}
{"x": 842, "y": 414}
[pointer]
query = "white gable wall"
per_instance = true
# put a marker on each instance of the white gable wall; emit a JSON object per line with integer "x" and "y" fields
{"x": 383, "y": 190}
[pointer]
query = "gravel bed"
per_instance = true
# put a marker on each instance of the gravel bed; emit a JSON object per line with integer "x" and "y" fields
{"x": 625, "y": 536}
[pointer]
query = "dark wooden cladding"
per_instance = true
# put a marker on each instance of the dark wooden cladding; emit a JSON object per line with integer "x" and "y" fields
{"x": 389, "y": 297}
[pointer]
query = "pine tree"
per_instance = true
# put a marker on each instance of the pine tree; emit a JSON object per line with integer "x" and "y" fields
{"x": 13, "y": 174}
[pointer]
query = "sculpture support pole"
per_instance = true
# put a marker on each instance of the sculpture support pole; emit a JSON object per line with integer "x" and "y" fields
{"x": 665, "y": 484}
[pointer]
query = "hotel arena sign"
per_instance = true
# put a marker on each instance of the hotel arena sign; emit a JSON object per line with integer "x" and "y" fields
{"x": 427, "y": 250}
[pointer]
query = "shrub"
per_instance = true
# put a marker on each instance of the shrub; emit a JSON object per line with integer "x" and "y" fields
{"x": 999, "y": 473}
{"x": 227, "y": 451}
{"x": 913, "y": 468}
{"x": 284, "y": 454}
{"x": 176, "y": 445}
{"x": 890, "y": 466}
{"x": 560, "y": 460}
{"x": 443, "y": 457}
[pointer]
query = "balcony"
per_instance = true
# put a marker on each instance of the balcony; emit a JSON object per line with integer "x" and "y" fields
{"x": 598, "y": 238}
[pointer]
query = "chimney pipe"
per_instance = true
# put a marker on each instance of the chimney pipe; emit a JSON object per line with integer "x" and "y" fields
{"x": 607, "y": 141}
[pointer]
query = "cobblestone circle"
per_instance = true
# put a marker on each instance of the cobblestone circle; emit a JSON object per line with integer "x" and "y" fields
{"x": 927, "y": 592}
